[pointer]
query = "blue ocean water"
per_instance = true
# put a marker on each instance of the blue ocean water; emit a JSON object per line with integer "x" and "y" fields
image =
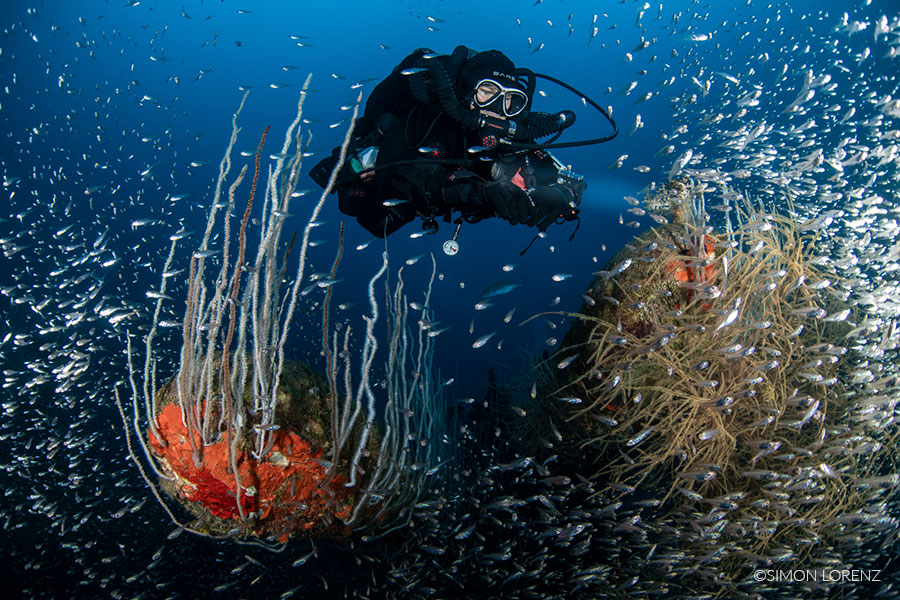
{"x": 114, "y": 113}
{"x": 168, "y": 104}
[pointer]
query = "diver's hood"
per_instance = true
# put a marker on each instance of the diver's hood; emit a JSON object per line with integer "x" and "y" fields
{"x": 490, "y": 64}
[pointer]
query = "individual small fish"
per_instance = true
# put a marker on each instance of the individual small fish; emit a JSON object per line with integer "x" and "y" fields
{"x": 702, "y": 475}
{"x": 763, "y": 422}
{"x": 756, "y": 247}
{"x": 608, "y": 421}
{"x": 612, "y": 383}
{"x": 810, "y": 412}
{"x": 838, "y": 317}
{"x": 766, "y": 475}
{"x": 303, "y": 559}
{"x": 619, "y": 268}
{"x": 570, "y": 399}
{"x": 567, "y": 361}
{"x": 143, "y": 222}
{"x": 709, "y": 383}
{"x": 732, "y": 349}
{"x": 205, "y": 253}
{"x": 721, "y": 401}
{"x": 768, "y": 366}
{"x": 709, "y": 434}
{"x": 483, "y": 340}
{"x": 690, "y": 494}
{"x": 810, "y": 312}
{"x": 617, "y": 164}
{"x": 680, "y": 163}
{"x": 730, "y": 78}
{"x": 499, "y": 288}
{"x": 328, "y": 282}
{"x": 765, "y": 450}
{"x": 730, "y": 318}
{"x": 637, "y": 124}
{"x": 643, "y": 435}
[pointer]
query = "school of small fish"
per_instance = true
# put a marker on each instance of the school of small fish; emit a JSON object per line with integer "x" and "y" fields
{"x": 793, "y": 108}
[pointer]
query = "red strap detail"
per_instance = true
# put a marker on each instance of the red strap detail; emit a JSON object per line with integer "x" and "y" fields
{"x": 518, "y": 180}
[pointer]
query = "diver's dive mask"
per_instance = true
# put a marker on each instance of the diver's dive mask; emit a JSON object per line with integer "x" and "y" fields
{"x": 491, "y": 95}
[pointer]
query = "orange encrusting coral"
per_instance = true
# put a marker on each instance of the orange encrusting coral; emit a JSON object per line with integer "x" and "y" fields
{"x": 287, "y": 491}
{"x": 686, "y": 274}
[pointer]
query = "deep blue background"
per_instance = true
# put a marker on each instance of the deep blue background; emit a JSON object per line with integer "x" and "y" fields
{"x": 153, "y": 86}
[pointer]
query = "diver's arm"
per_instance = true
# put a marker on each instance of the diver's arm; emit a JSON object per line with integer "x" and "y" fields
{"x": 461, "y": 190}
{"x": 557, "y": 190}
{"x": 479, "y": 199}
{"x": 432, "y": 194}
{"x": 550, "y": 171}
{"x": 508, "y": 197}
{"x": 473, "y": 196}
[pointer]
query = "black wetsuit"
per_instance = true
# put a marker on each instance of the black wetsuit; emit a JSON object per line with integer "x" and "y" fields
{"x": 424, "y": 169}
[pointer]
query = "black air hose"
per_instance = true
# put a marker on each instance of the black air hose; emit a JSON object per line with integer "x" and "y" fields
{"x": 443, "y": 87}
{"x": 543, "y": 124}
{"x": 417, "y": 83}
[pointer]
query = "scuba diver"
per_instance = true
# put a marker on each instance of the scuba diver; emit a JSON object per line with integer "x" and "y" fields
{"x": 456, "y": 133}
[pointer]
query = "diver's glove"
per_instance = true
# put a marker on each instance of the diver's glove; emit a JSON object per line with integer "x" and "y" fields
{"x": 551, "y": 202}
{"x": 463, "y": 190}
{"x": 511, "y": 202}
